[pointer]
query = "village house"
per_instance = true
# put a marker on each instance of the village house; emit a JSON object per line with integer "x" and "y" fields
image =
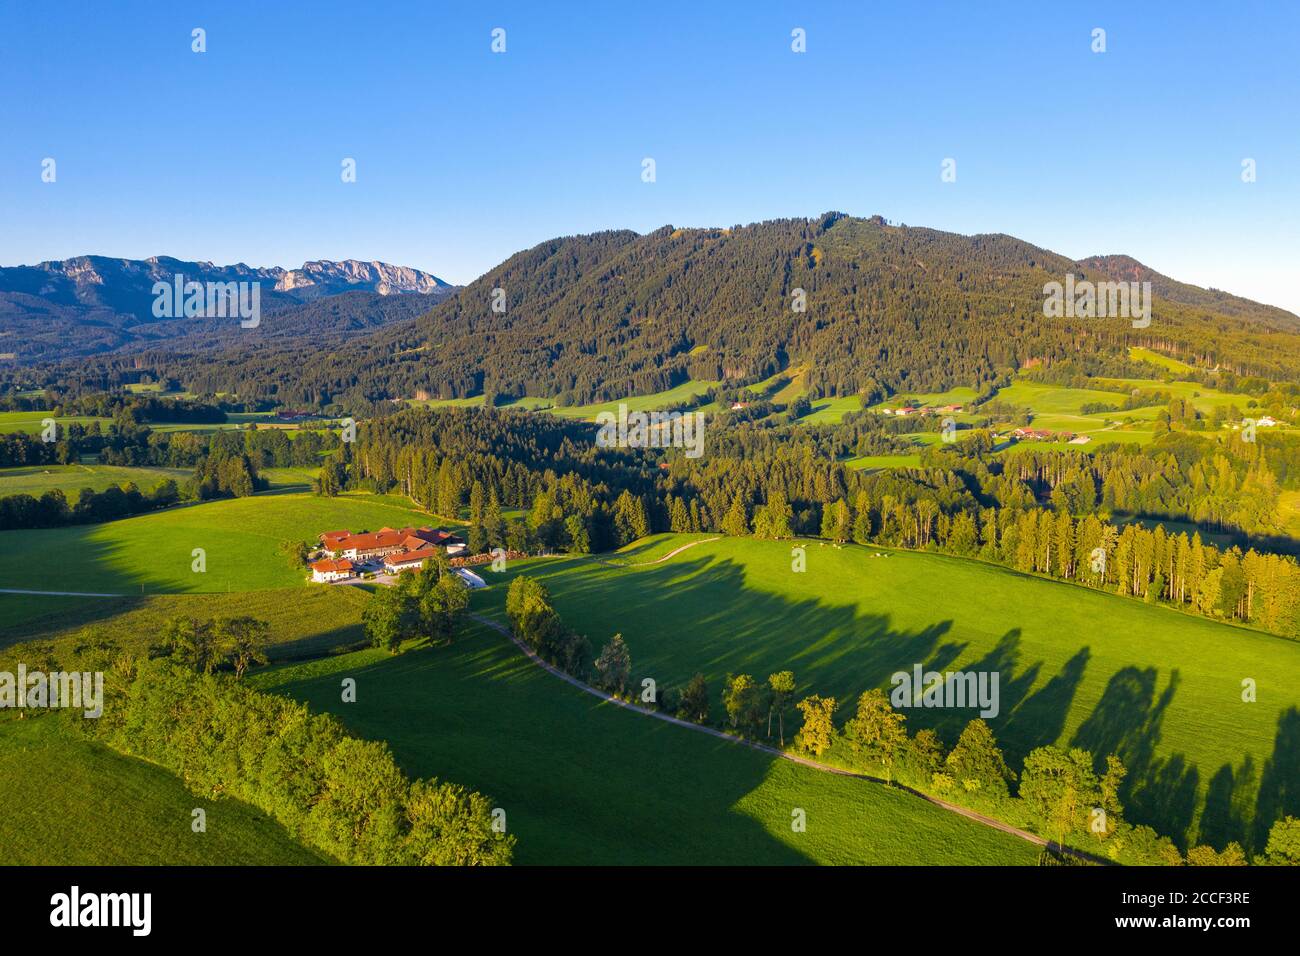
{"x": 1033, "y": 434}
{"x": 330, "y": 570}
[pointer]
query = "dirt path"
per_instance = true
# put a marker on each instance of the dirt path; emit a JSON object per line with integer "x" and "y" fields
{"x": 772, "y": 751}
{"x": 672, "y": 554}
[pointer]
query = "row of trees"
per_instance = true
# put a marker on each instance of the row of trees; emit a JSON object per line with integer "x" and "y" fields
{"x": 334, "y": 793}
{"x": 1067, "y": 795}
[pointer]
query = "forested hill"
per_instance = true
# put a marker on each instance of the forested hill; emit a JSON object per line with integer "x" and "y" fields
{"x": 887, "y": 309}
{"x": 1128, "y": 269}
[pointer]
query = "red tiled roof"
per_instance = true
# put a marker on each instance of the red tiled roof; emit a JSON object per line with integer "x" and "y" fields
{"x": 409, "y": 538}
{"x": 327, "y": 565}
{"x": 411, "y": 557}
{"x": 376, "y": 539}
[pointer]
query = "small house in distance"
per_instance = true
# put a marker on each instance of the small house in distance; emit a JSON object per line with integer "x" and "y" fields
{"x": 332, "y": 570}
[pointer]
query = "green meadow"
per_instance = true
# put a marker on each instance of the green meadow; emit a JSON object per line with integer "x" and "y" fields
{"x": 1139, "y": 354}
{"x": 1077, "y": 667}
{"x": 583, "y": 781}
{"x": 878, "y": 462}
{"x": 959, "y": 395}
{"x": 831, "y": 411}
{"x": 655, "y": 401}
{"x": 33, "y": 422}
{"x": 153, "y": 553}
{"x": 35, "y": 480}
{"x": 72, "y": 802}
{"x": 313, "y": 621}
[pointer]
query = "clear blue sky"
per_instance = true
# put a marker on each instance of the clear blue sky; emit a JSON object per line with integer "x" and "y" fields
{"x": 465, "y": 157}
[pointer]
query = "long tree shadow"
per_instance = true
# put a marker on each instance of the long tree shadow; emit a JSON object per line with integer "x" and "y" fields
{"x": 1160, "y": 792}
{"x": 1228, "y": 808}
{"x": 1279, "y": 786}
{"x": 1039, "y": 720}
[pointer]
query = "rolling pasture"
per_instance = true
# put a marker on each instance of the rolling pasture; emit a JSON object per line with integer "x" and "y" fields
{"x": 584, "y": 781}
{"x": 1077, "y": 667}
{"x": 73, "y": 802}
{"x": 314, "y": 620}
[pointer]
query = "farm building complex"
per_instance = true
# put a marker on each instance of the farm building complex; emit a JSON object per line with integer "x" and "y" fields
{"x": 391, "y": 549}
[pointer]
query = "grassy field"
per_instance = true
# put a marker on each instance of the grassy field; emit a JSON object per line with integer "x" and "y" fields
{"x": 831, "y": 411}
{"x": 637, "y": 403}
{"x": 72, "y": 802}
{"x": 1139, "y": 354}
{"x": 959, "y": 395}
{"x": 32, "y": 422}
{"x": 1205, "y": 399}
{"x": 877, "y": 462}
{"x": 1078, "y": 667}
{"x": 587, "y": 782}
{"x": 643, "y": 403}
{"x": 35, "y": 480}
{"x": 153, "y": 553}
{"x": 316, "y": 621}
{"x": 1058, "y": 409}
{"x": 286, "y": 478}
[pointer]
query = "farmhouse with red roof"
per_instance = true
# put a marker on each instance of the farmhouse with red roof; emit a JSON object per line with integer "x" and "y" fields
{"x": 331, "y": 570}
{"x": 398, "y": 549}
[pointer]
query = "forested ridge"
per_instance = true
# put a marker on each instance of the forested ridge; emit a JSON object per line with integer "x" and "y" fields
{"x": 885, "y": 309}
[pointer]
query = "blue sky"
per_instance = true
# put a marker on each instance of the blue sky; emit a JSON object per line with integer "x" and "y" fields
{"x": 465, "y": 156}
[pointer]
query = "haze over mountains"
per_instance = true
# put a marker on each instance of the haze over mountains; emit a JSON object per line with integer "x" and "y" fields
{"x": 92, "y": 304}
{"x": 885, "y": 309}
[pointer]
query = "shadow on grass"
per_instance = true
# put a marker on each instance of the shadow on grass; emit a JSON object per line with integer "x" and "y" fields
{"x": 696, "y": 613}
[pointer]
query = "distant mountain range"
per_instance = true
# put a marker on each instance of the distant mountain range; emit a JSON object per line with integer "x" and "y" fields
{"x": 93, "y": 304}
{"x": 861, "y": 306}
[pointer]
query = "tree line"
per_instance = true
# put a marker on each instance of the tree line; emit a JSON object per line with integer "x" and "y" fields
{"x": 1063, "y": 514}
